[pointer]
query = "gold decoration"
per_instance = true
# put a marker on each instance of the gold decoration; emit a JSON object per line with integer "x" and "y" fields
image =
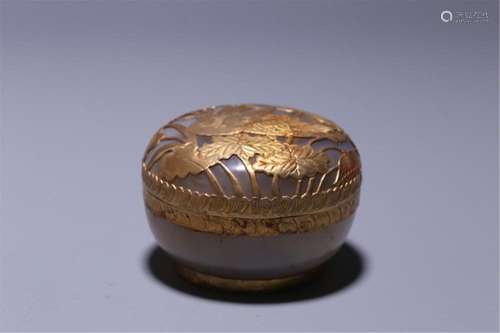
{"x": 292, "y": 160}
{"x": 260, "y": 119}
{"x": 284, "y": 125}
{"x": 243, "y": 226}
{"x": 241, "y": 145}
{"x": 235, "y": 206}
{"x": 182, "y": 160}
{"x": 277, "y": 142}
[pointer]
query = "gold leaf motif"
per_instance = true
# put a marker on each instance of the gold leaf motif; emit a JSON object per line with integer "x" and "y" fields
{"x": 274, "y": 140}
{"x": 260, "y": 120}
{"x": 283, "y": 125}
{"x": 292, "y": 160}
{"x": 182, "y": 161}
{"x": 274, "y": 127}
{"x": 242, "y": 145}
{"x": 226, "y": 121}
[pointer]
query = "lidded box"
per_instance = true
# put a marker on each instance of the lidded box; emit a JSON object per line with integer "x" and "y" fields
{"x": 250, "y": 197}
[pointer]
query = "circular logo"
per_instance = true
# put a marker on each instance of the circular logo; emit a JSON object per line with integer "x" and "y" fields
{"x": 446, "y": 16}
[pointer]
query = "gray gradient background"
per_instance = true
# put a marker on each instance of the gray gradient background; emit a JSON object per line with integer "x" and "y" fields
{"x": 85, "y": 84}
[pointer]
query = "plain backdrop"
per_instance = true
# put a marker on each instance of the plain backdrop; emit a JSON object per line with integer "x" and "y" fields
{"x": 85, "y": 84}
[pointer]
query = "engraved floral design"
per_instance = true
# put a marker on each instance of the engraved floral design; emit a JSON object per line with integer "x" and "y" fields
{"x": 259, "y": 120}
{"x": 183, "y": 160}
{"x": 242, "y": 145}
{"x": 283, "y": 125}
{"x": 292, "y": 160}
{"x": 274, "y": 141}
{"x": 218, "y": 121}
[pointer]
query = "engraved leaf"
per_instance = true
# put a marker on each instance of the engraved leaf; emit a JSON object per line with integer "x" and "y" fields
{"x": 226, "y": 120}
{"x": 242, "y": 145}
{"x": 183, "y": 160}
{"x": 283, "y": 125}
{"x": 293, "y": 160}
{"x": 273, "y": 127}
{"x": 261, "y": 120}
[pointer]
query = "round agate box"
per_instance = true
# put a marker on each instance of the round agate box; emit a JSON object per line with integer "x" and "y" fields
{"x": 250, "y": 197}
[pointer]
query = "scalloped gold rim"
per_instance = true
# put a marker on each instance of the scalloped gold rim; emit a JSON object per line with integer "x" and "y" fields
{"x": 244, "y": 207}
{"x": 244, "y": 226}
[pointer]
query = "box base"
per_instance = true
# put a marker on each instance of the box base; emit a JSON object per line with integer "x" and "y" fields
{"x": 241, "y": 285}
